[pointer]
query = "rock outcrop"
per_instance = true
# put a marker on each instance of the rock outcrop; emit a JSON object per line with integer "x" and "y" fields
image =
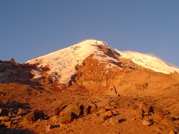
{"x": 11, "y": 71}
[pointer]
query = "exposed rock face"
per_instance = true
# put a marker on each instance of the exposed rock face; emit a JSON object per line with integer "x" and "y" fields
{"x": 10, "y": 71}
{"x": 124, "y": 76}
{"x": 95, "y": 75}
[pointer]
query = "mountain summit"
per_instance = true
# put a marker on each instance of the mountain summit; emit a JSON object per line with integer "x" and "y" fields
{"x": 63, "y": 62}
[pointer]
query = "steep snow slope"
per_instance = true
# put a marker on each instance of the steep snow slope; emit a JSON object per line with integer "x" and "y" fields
{"x": 64, "y": 61}
{"x": 148, "y": 61}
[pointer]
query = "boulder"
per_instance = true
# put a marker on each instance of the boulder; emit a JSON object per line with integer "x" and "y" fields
{"x": 146, "y": 122}
{"x": 171, "y": 132}
{"x": 157, "y": 115}
{"x": 55, "y": 120}
{"x": 8, "y": 124}
{"x": 93, "y": 108}
{"x": 113, "y": 121}
{"x": 71, "y": 108}
{"x": 48, "y": 128}
{"x": 101, "y": 110}
{"x": 34, "y": 116}
{"x": 21, "y": 111}
{"x": 107, "y": 114}
{"x": 70, "y": 112}
{"x": 4, "y": 118}
{"x": 68, "y": 118}
{"x": 175, "y": 114}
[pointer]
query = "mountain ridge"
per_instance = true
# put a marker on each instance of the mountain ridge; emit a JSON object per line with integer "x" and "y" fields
{"x": 62, "y": 63}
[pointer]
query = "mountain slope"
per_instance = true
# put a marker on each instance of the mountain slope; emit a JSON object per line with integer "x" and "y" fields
{"x": 148, "y": 61}
{"x": 62, "y": 64}
{"x": 106, "y": 91}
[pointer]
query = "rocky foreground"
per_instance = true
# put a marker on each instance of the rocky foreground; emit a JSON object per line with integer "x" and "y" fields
{"x": 40, "y": 110}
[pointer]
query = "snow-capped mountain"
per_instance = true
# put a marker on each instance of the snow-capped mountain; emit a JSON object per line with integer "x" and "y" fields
{"x": 62, "y": 63}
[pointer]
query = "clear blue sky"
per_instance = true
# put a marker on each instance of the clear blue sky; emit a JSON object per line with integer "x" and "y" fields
{"x": 31, "y": 28}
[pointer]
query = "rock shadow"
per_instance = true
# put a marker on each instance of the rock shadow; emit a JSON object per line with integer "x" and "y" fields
{"x": 4, "y": 130}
